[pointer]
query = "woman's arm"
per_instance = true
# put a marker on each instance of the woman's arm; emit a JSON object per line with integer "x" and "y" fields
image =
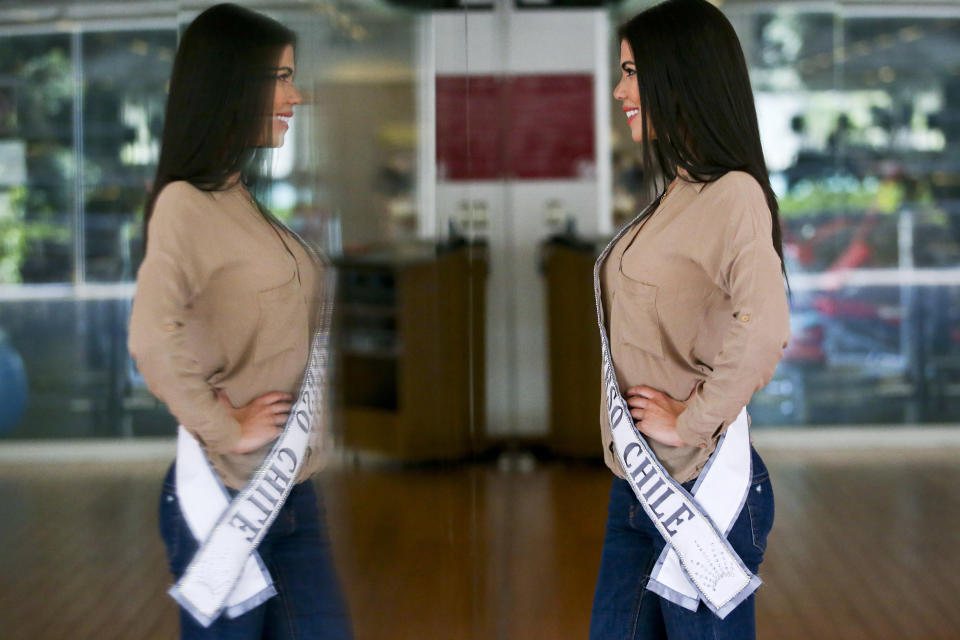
{"x": 759, "y": 328}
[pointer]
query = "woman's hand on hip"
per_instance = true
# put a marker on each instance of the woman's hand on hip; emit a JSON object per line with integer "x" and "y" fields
{"x": 260, "y": 421}
{"x": 655, "y": 414}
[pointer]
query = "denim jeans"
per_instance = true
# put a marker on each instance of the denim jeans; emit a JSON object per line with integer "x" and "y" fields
{"x": 296, "y": 551}
{"x": 623, "y": 609}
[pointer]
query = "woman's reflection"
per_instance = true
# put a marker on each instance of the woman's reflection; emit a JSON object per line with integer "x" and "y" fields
{"x": 221, "y": 329}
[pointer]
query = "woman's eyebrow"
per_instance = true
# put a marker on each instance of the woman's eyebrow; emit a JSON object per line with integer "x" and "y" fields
{"x": 623, "y": 65}
{"x": 285, "y": 69}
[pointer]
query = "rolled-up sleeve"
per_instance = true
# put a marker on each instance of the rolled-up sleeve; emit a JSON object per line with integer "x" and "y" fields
{"x": 168, "y": 279}
{"x": 748, "y": 271}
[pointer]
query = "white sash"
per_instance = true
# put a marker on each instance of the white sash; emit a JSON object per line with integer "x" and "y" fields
{"x": 226, "y": 574}
{"x": 698, "y": 562}
{"x": 720, "y": 491}
{"x": 202, "y": 498}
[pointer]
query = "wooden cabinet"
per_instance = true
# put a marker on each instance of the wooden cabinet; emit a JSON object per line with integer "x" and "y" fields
{"x": 574, "y": 348}
{"x": 411, "y": 350}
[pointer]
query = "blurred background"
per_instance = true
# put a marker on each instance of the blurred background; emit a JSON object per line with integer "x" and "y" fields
{"x": 463, "y": 163}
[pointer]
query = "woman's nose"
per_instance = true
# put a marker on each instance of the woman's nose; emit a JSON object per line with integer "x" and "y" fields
{"x": 618, "y": 92}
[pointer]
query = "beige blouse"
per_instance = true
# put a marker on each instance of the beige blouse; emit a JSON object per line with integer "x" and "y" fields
{"x": 694, "y": 298}
{"x": 224, "y": 301}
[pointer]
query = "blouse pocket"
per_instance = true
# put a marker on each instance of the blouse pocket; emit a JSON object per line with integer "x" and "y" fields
{"x": 282, "y": 325}
{"x": 637, "y": 321}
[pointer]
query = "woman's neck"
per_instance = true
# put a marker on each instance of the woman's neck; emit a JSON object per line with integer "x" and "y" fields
{"x": 671, "y": 186}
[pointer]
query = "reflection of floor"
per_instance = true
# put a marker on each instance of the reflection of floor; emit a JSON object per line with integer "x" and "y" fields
{"x": 863, "y": 547}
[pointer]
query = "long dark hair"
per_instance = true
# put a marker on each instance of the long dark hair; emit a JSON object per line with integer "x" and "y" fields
{"x": 695, "y": 92}
{"x": 221, "y": 96}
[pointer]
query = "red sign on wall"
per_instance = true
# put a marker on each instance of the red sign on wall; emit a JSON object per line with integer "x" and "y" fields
{"x": 515, "y": 127}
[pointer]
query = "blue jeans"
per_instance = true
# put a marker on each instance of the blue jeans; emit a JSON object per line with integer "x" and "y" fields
{"x": 296, "y": 551}
{"x": 623, "y": 609}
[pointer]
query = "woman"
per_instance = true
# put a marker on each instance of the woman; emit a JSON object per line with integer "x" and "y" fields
{"x": 693, "y": 298}
{"x": 223, "y": 314}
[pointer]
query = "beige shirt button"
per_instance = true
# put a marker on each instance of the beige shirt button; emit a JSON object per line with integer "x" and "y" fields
{"x": 703, "y": 445}
{"x": 745, "y": 317}
{"x": 170, "y": 327}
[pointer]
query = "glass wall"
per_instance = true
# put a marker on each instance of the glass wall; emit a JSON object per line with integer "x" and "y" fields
{"x": 82, "y": 96}
{"x": 432, "y": 159}
{"x": 82, "y": 112}
{"x": 857, "y": 111}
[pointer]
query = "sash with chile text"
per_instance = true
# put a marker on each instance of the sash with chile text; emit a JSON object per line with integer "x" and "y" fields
{"x": 226, "y": 574}
{"x": 698, "y": 562}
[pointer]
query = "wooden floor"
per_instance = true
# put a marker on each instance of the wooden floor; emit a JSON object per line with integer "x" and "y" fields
{"x": 864, "y": 546}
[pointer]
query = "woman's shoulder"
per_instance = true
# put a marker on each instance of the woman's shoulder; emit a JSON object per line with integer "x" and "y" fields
{"x": 737, "y": 185}
{"x": 733, "y": 205}
{"x": 742, "y": 202}
{"x": 181, "y": 208}
{"x": 181, "y": 192}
